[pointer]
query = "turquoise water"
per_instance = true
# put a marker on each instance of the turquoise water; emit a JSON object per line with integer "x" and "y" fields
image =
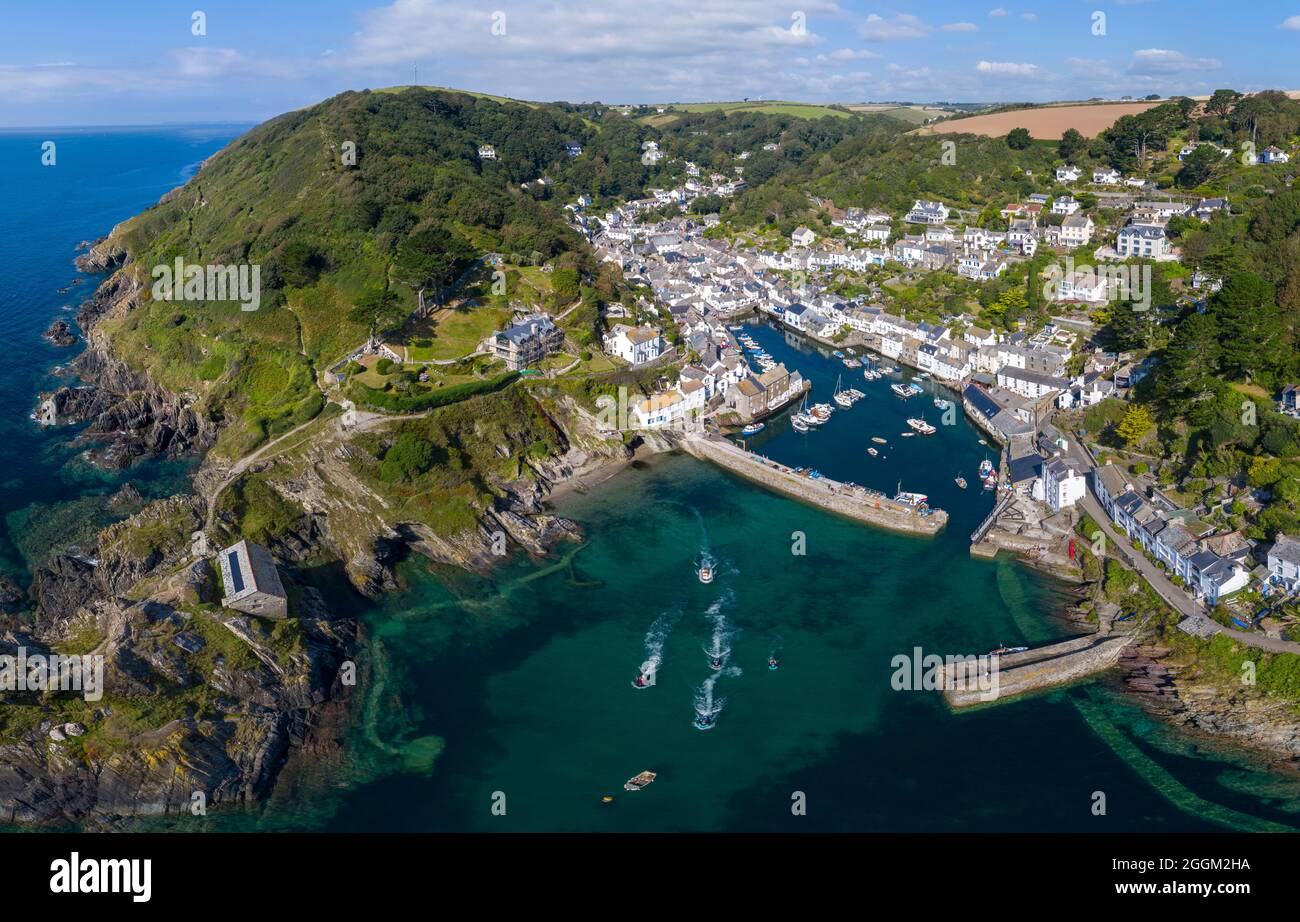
{"x": 523, "y": 681}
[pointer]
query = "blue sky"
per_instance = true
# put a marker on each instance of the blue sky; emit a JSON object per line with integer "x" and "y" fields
{"x": 85, "y": 62}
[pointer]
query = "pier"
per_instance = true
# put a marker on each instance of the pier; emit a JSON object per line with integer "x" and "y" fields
{"x": 1032, "y": 670}
{"x": 854, "y": 502}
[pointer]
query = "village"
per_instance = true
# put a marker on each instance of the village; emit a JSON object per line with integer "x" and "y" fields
{"x": 1013, "y": 385}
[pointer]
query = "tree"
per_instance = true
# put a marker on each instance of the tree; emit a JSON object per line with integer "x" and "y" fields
{"x": 1137, "y": 422}
{"x": 1250, "y": 325}
{"x": 1019, "y": 139}
{"x": 1186, "y": 372}
{"x": 433, "y": 257}
{"x": 1200, "y": 166}
{"x": 377, "y": 308}
{"x": 1071, "y": 145}
{"x": 407, "y": 458}
{"x": 1221, "y": 102}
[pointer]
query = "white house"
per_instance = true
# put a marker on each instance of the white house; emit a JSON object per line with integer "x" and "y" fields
{"x": 1030, "y": 384}
{"x": 1284, "y": 563}
{"x": 1082, "y": 285}
{"x": 634, "y": 345}
{"x": 1076, "y": 230}
{"x": 1274, "y": 155}
{"x": 1063, "y": 483}
{"x": 1105, "y": 177}
{"x": 486, "y": 152}
{"x": 803, "y": 237}
{"x": 1068, "y": 173}
{"x": 925, "y": 212}
{"x": 1142, "y": 240}
{"x": 1065, "y": 204}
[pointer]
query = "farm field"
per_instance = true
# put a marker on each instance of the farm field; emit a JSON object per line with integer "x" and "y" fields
{"x": 797, "y": 109}
{"x": 915, "y": 115}
{"x": 1046, "y": 123}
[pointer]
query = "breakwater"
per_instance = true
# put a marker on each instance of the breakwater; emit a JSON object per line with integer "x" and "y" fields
{"x": 1032, "y": 670}
{"x": 849, "y": 500}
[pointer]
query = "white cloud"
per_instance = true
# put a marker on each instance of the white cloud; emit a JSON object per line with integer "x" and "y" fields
{"x": 1156, "y": 61}
{"x": 998, "y": 13}
{"x": 1006, "y": 68}
{"x": 960, "y": 27}
{"x": 1030, "y": 17}
{"x": 1291, "y": 22}
{"x": 899, "y": 27}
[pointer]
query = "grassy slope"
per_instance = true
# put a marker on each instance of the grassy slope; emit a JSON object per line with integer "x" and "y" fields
{"x": 284, "y": 184}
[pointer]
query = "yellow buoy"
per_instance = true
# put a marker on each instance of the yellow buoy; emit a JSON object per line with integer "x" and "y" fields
{"x": 607, "y": 799}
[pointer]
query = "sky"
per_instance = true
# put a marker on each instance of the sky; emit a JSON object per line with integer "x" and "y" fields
{"x": 86, "y": 62}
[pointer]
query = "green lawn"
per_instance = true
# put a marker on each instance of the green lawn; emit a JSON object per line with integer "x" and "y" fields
{"x": 457, "y": 334}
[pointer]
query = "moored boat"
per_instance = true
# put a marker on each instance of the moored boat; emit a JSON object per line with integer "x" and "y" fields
{"x": 921, "y": 426}
{"x": 879, "y": 441}
{"x": 753, "y": 428}
{"x": 960, "y": 481}
{"x": 872, "y": 451}
{"x": 639, "y": 781}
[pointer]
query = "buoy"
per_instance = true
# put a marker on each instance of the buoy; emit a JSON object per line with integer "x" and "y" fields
{"x": 607, "y": 799}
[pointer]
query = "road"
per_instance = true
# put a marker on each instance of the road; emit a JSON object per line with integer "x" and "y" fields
{"x": 1160, "y": 582}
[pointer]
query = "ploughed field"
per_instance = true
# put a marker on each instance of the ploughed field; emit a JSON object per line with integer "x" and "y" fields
{"x": 1046, "y": 123}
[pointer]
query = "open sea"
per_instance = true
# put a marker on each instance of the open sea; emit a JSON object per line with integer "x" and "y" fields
{"x": 507, "y": 704}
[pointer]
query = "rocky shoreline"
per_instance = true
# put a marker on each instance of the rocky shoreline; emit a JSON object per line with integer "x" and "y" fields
{"x": 251, "y": 696}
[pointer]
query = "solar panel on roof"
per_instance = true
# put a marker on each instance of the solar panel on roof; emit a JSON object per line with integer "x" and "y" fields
{"x": 236, "y": 576}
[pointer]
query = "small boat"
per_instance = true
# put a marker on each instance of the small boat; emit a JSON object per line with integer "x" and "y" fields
{"x": 907, "y": 435}
{"x": 986, "y": 468}
{"x": 798, "y": 423}
{"x": 821, "y": 411}
{"x": 704, "y": 722}
{"x": 773, "y": 664}
{"x": 637, "y": 782}
{"x": 879, "y": 441}
{"x": 838, "y": 354}
{"x": 998, "y": 651}
{"x": 960, "y": 481}
{"x": 706, "y": 574}
{"x": 872, "y": 451}
{"x": 921, "y": 426}
{"x": 753, "y": 428}
{"x": 982, "y": 442}
{"x": 716, "y": 663}
{"x": 843, "y": 399}
{"x": 911, "y": 499}
{"x": 642, "y": 681}
{"x": 941, "y": 403}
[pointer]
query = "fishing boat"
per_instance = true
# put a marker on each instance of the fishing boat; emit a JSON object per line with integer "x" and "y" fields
{"x": 773, "y": 664}
{"x": 986, "y": 468}
{"x": 821, "y": 411}
{"x": 999, "y": 651}
{"x": 879, "y": 441}
{"x": 921, "y": 426}
{"x": 704, "y": 722}
{"x": 642, "y": 681}
{"x": 872, "y": 451}
{"x": 637, "y": 782}
{"x": 960, "y": 481}
{"x": 706, "y": 574}
{"x": 753, "y": 428}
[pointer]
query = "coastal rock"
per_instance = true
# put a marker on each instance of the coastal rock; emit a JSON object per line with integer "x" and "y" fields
{"x": 61, "y": 333}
